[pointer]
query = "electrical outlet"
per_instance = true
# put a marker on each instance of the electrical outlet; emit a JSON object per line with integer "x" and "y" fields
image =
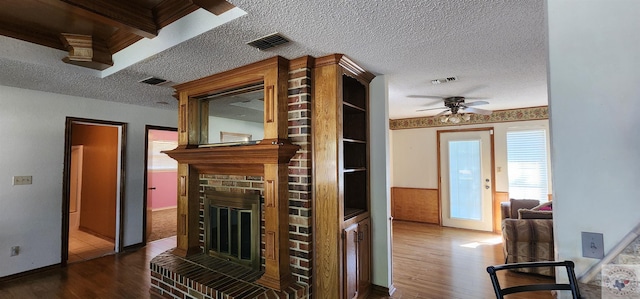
{"x": 15, "y": 250}
{"x": 22, "y": 180}
{"x": 592, "y": 245}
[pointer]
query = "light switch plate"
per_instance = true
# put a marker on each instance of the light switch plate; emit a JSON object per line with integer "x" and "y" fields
{"x": 592, "y": 245}
{"x": 22, "y": 180}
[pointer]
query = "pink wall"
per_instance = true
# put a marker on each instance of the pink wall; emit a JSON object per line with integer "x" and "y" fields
{"x": 166, "y": 192}
{"x": 162, "y": 170}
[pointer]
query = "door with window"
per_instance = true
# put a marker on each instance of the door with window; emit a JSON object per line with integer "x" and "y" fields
{"x": 466, "y": 179}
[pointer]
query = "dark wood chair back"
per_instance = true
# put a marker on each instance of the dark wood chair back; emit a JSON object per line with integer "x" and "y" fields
{"x": 568, "y": 265}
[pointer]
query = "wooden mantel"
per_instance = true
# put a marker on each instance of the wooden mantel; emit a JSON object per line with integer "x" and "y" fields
{"x": 236, "y": 159}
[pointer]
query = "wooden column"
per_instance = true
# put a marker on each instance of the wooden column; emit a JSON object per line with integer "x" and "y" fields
{"x": 276, "y": 209}
{"x": 188, "y": 179}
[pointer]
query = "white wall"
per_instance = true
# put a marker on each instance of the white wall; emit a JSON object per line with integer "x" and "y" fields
{"x": 594, "y": 87}
{"x": 380, "y": 182}
{"x": 33, "y": 126}
{"x": 219, "y": 124}
{"x": 415, "y": 153}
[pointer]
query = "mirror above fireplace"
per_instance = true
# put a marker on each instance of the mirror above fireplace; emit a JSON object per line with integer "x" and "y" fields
{"x": 237, "y": 112}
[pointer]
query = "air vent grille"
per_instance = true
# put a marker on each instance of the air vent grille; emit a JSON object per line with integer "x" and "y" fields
{"x": 153, "y": 81}
{"x": 269, "y": 41}
{"x": 444, "y": 80}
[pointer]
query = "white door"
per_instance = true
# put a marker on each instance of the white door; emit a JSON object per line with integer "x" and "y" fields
{"x": 465, "y": 172}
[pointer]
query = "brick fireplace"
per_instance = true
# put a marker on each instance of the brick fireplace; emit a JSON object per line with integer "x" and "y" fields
{"x": 199, "y": 275}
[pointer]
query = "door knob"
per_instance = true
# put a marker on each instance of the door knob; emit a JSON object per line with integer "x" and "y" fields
{"x": 152, "y": 188}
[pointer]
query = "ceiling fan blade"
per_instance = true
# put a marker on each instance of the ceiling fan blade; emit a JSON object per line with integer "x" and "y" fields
{"x": 472, "y": 89}
{"x": 424, "y": 97}
{"x": 478, "y": 111}
{"x": 476, "y": 103}
{"x": 432, "y": 109}
{"x": 442, "y": 113}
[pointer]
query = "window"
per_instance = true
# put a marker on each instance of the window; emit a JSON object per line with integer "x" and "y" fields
{"x": 527, "y": 164}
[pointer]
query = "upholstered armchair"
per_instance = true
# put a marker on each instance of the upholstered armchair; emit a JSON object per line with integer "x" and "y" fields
{"x": 527, "y": 234}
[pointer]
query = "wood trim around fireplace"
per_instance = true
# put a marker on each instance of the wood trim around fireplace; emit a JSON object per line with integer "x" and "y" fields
{"x": 269, "y": 158}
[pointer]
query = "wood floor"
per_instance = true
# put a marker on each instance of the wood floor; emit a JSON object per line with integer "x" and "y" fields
{"x": 429, "y": 262}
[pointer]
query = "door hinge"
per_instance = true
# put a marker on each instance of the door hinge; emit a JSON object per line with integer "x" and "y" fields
{"x": 360, "y": 236}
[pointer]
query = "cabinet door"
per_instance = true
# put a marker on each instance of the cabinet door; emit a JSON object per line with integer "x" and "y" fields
{"x": 351, "y": 262}
{"x": 364, "y": 256}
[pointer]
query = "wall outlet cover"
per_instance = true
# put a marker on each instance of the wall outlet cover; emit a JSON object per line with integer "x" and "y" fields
{"x": 592, "y": 245}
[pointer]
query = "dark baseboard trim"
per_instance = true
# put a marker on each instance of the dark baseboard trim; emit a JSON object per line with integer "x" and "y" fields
{"x": 133, "y": 247}
{"x": 383, "y": 291}
{"x": 29, "y": 272}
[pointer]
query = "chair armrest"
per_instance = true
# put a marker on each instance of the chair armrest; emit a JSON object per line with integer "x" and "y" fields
{"x": 505, "y": 210}
{"x": 528, "y": 230}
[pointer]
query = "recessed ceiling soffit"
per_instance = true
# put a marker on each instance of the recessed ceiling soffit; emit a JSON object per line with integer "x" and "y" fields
{"x": 93, "y": 30}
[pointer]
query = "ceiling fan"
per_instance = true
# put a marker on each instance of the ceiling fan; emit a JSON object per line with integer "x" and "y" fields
{"x": 458, "y": 107}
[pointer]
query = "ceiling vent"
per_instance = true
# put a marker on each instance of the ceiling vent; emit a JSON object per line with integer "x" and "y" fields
{"x": 268, "y": 42}
{"x": 444, "y": 80}
{"x": 154, "y": 81}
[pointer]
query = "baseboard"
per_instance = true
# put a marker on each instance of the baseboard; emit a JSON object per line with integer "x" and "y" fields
{"x": 29, "y": 272}
{"x": 165, "y": 208}
{"x": 383, "y": 291}
{"x": 133, "y": 247}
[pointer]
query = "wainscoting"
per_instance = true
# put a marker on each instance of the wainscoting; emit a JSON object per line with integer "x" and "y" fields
{"x": 415, "y": 204}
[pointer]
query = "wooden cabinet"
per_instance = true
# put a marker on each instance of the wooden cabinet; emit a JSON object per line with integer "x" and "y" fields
{"x": 357, "y": 259}
{"x": 341, "y": 178}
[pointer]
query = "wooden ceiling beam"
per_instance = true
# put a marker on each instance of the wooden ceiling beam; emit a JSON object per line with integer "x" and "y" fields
{"x": 121, "y": 14}
{"x": 169, "y": 11}
{"x": 216, "y": 7}
{"x": 28, "y": 34}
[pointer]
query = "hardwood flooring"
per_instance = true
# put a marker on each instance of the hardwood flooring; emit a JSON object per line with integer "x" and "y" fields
{"x": 436, "y": 262}
{"x": 428, "y": 262}
{"x": 124, "y": 275}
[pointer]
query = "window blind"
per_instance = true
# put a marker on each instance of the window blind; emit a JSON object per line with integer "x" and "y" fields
{"x": 527, "y": 164}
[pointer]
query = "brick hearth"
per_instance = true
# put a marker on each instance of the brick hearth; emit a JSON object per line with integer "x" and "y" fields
{"x": 205, "y": 277}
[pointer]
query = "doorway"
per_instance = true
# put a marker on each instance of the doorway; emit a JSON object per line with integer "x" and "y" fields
{"x": 93, "y": 189}
{"x": 466, "y": 178}
{"x": 161, "y": 184}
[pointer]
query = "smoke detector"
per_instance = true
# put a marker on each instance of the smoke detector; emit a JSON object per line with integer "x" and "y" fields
{"x": 444, "y": 80}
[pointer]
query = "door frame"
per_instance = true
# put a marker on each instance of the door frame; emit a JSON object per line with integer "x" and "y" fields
{"x": 66, "y": 181}
{"x": 492, "y": 163}
{"x": 147, "y": 128}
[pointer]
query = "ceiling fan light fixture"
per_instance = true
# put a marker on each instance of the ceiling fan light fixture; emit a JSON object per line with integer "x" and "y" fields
{"x": 444, "y": 118}
{"x": 455, "y": 118}
{"x": 466, "y": 117}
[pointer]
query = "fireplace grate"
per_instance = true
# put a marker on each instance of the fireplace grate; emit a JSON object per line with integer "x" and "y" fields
{"x": 232, "y": 226}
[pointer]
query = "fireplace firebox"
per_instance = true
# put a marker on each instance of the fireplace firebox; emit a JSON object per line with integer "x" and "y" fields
{"x": 232, "y": 226}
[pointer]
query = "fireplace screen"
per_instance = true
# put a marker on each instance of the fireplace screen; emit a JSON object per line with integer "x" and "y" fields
{"x": 232, "y": 226}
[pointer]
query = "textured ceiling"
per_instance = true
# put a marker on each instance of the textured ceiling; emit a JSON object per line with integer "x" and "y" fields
{"x": 497, "y": 49}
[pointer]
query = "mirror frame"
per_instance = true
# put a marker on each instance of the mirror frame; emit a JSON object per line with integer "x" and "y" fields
{"x": 273, "y": 72}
